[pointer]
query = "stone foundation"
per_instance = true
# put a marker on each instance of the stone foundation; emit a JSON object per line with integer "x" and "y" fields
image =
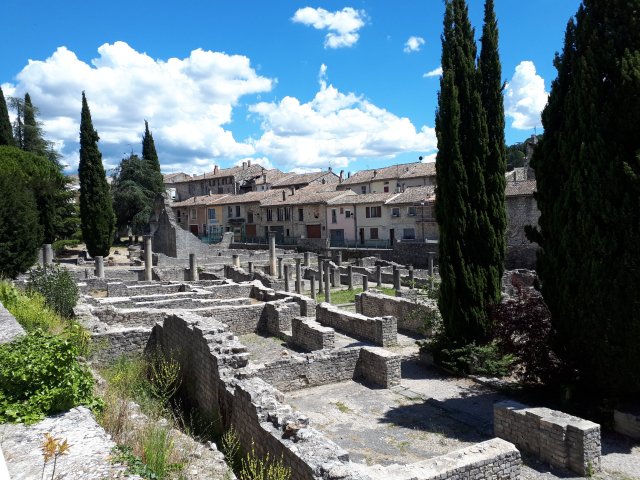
{"x": 310, "y": 335}
{"x": 381, "y": 331}
{"x": 409, "y": 314}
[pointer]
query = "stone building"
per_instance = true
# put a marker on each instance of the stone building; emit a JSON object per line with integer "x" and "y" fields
{"x": 199, "y": 215}
{"x": 392, "y": 179}
{"x": 232, "y": 180}
{"x": 241, "y": 214}
{"x": 412, "y": 215}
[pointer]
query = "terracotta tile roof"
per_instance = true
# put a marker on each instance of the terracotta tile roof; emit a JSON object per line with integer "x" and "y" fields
{"x": 299, "y": 178}
{"x": 249, "y": 197}
{"x": 364, "y": 198}
{"x": 525, "y": 187}
{"x": 414, "y": 195}
{"x": 272, "y": 175}
{"x": 307, "y": 195}
{"x": 171, "y": 177}
{"x": 199, "y": 200}
{"x": 405, "y": 170}
{"x": 239, "y": 173}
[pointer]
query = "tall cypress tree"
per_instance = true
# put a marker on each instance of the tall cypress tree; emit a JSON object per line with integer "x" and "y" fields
{"x": 6, "y": 132}
{"x": 32, "y": 140}
{"x": 495, "y": 163}
{"x": 149, "y": 148}
{"x": 96, "y": 211}
{"x": 461, "y": 201}
{"x": 588, "y": 173}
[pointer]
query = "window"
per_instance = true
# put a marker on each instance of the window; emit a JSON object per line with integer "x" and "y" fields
{"x": 363, "y": 189}
{"x": 347, "y": 214}
{"x": 373, "y": 212}
{"x": 269, "y": 215}
{"x": 386, "y": 187}
{"x": 373, "y": 234}
{"x": 409, "y": 234}
{"x": 280, "y": 214}
{"x": 341, "y": 210}
{"x": 229, "y": 212}
{"x": 287, "y": 213}
{"x": 334, "y": 215}
{"x": 211, "y": 214}
{"x": 237, "y": 210}
{"x": 300, "y": 215}
{"x": 395, "y": 212}
{"x": 178, "y": 215}
{"x": 194, "y": 214}
{"x": 250, "y": 217}
{"x": 288, "y": 233}
{"x": 412, "y": 211}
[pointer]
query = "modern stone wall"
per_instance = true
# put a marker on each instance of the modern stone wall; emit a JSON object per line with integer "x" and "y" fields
{"x": 555, "y": 437}
{"x": 10, "y": 329}
{"x": 310, "y": 335}
{"x": 409, "y": 314}
{"x": 381, "y": 331}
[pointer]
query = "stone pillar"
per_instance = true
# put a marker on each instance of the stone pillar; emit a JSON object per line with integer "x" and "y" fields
{"x": 280, "y": 267}
{"x": 350, "y": 276}
{"x": 410, "y": 276}
{"x": 431, "y": 264}
{"x": 298, "y": 276}
{"x": 396, "y": 279}
{"x": 47, "y": 254}
{"x": 250, "y": 266}
{"x": 327, "y": 287}
{"x": 313, "y": 287}
{"x": 148, "y": 258}
{"x": 365, "y": 283}
{"x": 130, "y": 239}
{"x": 335, "y": 277}
{"x": 236, "y": 260}
{"x": 86, "y": 273}
{"x": 193, "y": 267}
{"x": 320, "y": 276}
{"x": 379, "y": 275}
{"x": 358, "y": 262}
{"x": 307, "y": 259}
{"x": 339, "y": 257}
{"x": 286, "y": 278}
{"x": 272, "y": 254}
{"x": 99, "y": 262}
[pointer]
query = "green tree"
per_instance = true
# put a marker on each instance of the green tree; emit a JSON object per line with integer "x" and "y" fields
{"x": 588, "y": 176}
{"x": 149, "y": 148}
{"x": 6, "y": 132}
{"x": 461, "y": 201}
{"x": 96, "y": 212}
{"x": 32, "y": 139}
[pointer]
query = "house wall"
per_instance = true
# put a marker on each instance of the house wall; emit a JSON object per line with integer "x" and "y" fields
{"x": 205, "y": 186}
{"x": 342, "y": 222}
{"x": 381, "y": 223}
{"x": 313, "y": 214}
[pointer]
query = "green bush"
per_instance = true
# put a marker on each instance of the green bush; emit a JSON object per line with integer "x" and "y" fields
{"x": 61, "y": 245}
{"x": 57, "y": 286}
{"x": 470, "y": 358}
{"x": 40, "y": 375}
{"x": 30, "y": 310}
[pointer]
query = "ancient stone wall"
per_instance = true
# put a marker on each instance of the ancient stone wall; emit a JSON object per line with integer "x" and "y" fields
{"x": 380, "y": 366}
{"x": 410, "y": 315}
{"x": 129, "y": 342}
{"x": 10, "y": 329}
{"x": 521, "y": 211}
{"x": 554, "y": 437}
{"x": 310, "y": 335}
{"x": 381, "y": 331}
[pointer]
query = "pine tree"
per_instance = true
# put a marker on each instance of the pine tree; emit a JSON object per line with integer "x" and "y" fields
{"x": 96, "y": 211}
{"x": 461, "y": 201}
{"x": 6, "y": 132}
{"x": 495, "y": 163}
{"x": 588, "y": 174}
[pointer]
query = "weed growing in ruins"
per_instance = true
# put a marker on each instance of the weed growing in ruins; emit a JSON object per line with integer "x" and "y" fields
{"x": 57, "y": 286}
{"x": 343, "y": 407}
{"x": 164, "y": 377}
{"x": 53, "y": 448}
{"x": 256, "y": 468}
{"x": 230, "y": 446}
{"x": 158, "y": 450}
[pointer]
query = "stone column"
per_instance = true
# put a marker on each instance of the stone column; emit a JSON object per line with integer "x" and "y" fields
{"x": 236, "y": 260}
{"x": 410, "y": 276}
{"x": 365, "y": 283}
{"x": 350, "y": 276}
{"x": 307, "y": 259}
{"x": 339, "y": 257}
{"x": 379, "y": 275}
{"x": 335, "y": 277}
{"x": 327, "y": 287}
{"x": 99, "y": 262}
{"x": 148, "y": 258}
{"x": 298, "y": 276}
{"x": 431, "y": 264}
{"x": 358, "y": 262}
{"x": 320, "y": 277}
{"x": 396, "y": 279}
{"x": 280, "y": 267}
{"x": 130, "y": 239}
{"x": 86, "y": 273}
{"x": 286, "y": 278}
{"x": 272, "y": 254}
{"x": 250, "y": 266}
{"x": 193, "y": 267}
{"x": 47, "y": 254}
{"x": 313, "y": 287}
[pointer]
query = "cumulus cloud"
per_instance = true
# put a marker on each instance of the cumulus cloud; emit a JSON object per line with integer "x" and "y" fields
{"x": 525, "y": 97}
{"x": 436, "y": 72}
{"x": 334, "y": 128}
{"x": 413, "y": 44}
{"x": 263, "y": 161}
{"x": 342, "y": 25}
{"x": 187, "y": 101}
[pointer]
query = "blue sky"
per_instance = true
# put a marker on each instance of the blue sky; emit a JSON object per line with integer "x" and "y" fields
{"x": 295, "y": 85}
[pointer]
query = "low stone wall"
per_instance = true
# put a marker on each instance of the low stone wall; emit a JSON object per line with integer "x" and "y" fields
{"x": 381, "y": 331}
{"x": 310, "y": 335}
{"x": 130, "y": 342}
{"x": 555, "y": 437}
{"x": 122, "y": 289}
{"x": 129, "y": 318}
{"x": 409, "y": 314}
{"x": 10, "y": 329}
{"x": 380, "y": 366}
{"x": 279, "y": 316}
{"x": 240, "y": 319}
{"x": 627, "y": 422}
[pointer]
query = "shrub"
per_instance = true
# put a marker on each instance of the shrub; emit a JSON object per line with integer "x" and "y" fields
{"x": 40, "y": 375}
{"x": 61, "y": 245}
{"x": 30, "y": 310}
{"x": 471, "y": 358}
{"x": 256, "y": 468}
{"x": 57, "y": 286}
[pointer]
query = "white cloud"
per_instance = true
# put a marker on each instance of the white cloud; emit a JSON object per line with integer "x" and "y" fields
{"x": 436, "y": 72}
{"x": 264, "y": 161}
{"x": 343, "y": 25}
{"x": 413, "y": 44}
{"x": 525, "y": 97}
{"x": 187, "y": 101}
{"x": 334, "y": 128}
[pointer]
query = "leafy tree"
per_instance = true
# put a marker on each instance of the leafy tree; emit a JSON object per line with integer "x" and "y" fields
{"x": 6, "y": 133}
{"x": 96, "y": 211}
{"x": 588, "y": 176}
{"x": 515, "y": 157}
{"x": 461, "y": 201}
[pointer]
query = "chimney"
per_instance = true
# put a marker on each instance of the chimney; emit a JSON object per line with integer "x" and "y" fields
{"x": 293, "y": 190}
{"x": 264, "y": 178}
{"x": 375, "y": 172}
{"x": 284, "y": 195}
{"x": 244, "y": 165}
{"x": 348, "y": 174}
{"x": 341, "y": 176}
{"x": 330, "y": 168}
{"x": 248, "y": 163}
{"x": 215, "y": 169}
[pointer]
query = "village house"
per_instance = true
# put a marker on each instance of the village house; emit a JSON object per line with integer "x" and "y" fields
{"x": 199, "y": 215}
{"x": 297, "y": 181}
{"x": 392, "y": 179}
{"x": 232, "y": 180}
{"x": 412, "y": 215}
{"x": 241, "y": 214}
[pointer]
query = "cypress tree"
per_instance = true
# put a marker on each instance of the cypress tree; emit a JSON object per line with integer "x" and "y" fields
{"x": 461, "y": 201}
{"x": 588, "y": 173}
{"x": 149, "y": 148}
{"x": 96, "y": 212}
{"x": 31, "y": 135}
{"x": 495, "y": 163}
{"x": 6, "y": 132}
